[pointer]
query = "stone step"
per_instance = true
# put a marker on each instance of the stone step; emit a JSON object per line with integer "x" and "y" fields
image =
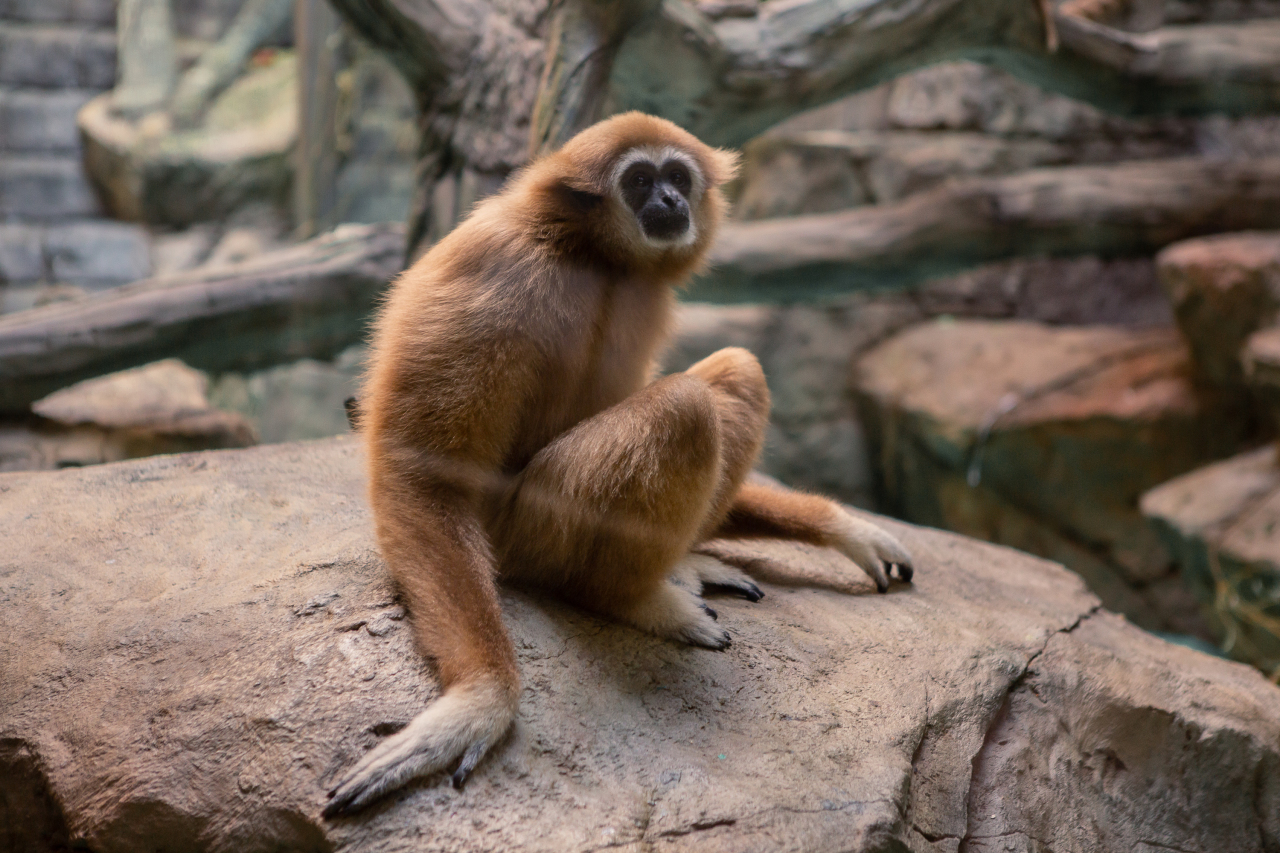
{"x": 42, "y": 188}
{"x": 90, "y": 13}
{"x": 41, "y": 120}
{"x": 91, "y": 254}
{"x": 57, "y": 56}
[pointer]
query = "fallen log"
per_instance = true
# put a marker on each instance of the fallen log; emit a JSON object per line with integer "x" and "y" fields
{"x": 495, "y": 82}
{"x": 1116, "y": 210}
{"x": 310, "y": 300}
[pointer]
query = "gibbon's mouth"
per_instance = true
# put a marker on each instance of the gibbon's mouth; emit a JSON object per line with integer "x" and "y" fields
{"x": 664, "y": 225}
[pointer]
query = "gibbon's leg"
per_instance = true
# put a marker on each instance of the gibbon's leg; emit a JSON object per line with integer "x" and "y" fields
{"x": 742, "y": 403}
{"x": 606, "y": 513}
{"x": 440, "y": 556}
{"x": 766, "y": 511}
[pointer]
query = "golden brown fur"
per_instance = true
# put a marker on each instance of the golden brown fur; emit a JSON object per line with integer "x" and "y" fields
{"x": 513, "y": 431}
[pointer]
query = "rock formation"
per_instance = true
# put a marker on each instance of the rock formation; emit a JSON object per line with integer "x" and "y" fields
{"x": 192, "y": 647}
{"x": 1044, "y": 438}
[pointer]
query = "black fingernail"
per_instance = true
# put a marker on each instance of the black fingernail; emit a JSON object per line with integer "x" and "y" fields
{"x": 906, "y": 572}
{"x": 458, "y": 779}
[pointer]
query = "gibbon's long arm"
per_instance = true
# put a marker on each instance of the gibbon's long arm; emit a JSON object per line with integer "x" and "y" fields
{"x": 457, "y": 622}
{"x": 428, "y": 477}
{"x": 760, "y": 510}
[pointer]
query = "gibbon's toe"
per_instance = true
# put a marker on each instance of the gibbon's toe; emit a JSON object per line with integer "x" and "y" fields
{"x": 746, "y": 589}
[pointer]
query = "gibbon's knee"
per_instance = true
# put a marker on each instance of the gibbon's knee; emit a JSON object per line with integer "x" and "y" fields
{"x": 662, "y": 439}
{"x": 736, "y": 372}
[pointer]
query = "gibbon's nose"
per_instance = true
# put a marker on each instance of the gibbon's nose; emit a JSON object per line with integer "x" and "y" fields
{"x": 671, "y": 200}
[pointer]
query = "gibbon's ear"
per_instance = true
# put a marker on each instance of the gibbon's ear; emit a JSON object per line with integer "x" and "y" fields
{"x": 724, "y": 165}
{"x": 575, "y": 199}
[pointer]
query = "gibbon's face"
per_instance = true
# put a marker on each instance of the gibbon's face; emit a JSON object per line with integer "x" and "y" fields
{"x": 661, "y": 187}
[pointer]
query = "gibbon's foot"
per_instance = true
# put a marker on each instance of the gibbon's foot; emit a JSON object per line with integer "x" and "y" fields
{"x": 677, "y": 613}
{"x": 706, "y": 572}
{"x": 460, "y": 726}
{"x": 874, "y": 550}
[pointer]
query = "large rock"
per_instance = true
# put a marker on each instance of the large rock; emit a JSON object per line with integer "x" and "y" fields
{"x": 1223, "y": 289}
{"x": 159, "y": 408}
{"x": 1043, "y": 438}
{"x": 1222, "y": 522}
{"x": 195, "y": 646}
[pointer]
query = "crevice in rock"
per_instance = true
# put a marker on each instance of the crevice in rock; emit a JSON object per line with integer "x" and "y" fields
{"x": 699, "y": 826}
{"x": 1001, "y": 715}
{"x": 930, "y": 837}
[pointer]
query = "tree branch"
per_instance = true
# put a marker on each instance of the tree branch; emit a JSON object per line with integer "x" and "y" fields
{"x": 307, "y": 301}
{"x": 729, "y": 80}
{"x": 1122, "y": 209}
{"x": 427, "y": 40}
{"x": 581, "y": 47}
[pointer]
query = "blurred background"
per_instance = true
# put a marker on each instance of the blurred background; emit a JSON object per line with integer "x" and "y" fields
{"x": 1044, "y": 317}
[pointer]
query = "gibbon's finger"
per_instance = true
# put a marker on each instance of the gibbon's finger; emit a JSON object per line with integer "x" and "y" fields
{"x": 905, "y": 571}
{"x": 462, "y": 722}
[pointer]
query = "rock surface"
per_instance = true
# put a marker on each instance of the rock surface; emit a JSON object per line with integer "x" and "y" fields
{"x": 1081, "y": 421}
{"x": 1222, "y": 522}
{"x": 194, "y": 646}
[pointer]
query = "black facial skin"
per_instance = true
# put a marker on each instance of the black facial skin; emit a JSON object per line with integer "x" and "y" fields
{"x": 659, "y": 197}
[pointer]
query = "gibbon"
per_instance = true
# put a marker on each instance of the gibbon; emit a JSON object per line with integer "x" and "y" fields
{"x": 515, "y": 432}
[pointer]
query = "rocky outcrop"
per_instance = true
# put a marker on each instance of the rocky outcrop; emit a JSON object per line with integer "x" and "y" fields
{"x": 194, "y": 646}
{"x": 159, "y": 408}
{"x": 1222, "y": 290}
{"x": 1222, "y": 522}
{"x": 147, "y": 171}
{"x": 1043, "y": 438}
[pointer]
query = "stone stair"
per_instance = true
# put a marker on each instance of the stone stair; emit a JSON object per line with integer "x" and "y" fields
{"x": 54, "y": 56}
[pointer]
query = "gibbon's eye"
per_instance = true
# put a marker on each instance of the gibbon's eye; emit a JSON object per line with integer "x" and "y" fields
{"x": 679, "y": 178}
{"x": 641, "y": 181}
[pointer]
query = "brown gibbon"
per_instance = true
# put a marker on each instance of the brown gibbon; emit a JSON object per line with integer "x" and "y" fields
{"x": 515, "y": 432}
